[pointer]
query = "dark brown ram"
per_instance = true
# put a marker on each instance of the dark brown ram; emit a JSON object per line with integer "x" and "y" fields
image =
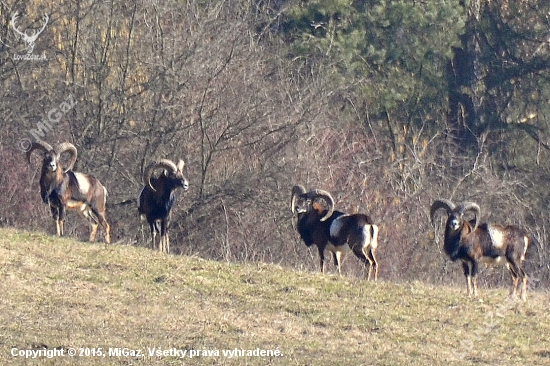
{"x": 334, "y": 231}
{"x": 157, "y": 198}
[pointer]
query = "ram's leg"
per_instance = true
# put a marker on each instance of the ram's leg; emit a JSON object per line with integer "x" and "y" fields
{"x": 474, "y": 283}
{"x": 163, "y": 247}
{"x": 372, "y": 249}
{"x": 474, "y": 271}
{"x": 373, "y": 263}
{"x": 93, "y": 228}
{"x": 99, "y": 218}
{"x": 524, "y": 287}
{"x": 514, "y": 271}
{"x": 467, "y": 273}
{"x": 93, "y": 231}
{"x": 321, "y": 258}
{"x": 515, "y": 285}
{"x": 167, "y": 242}
{"x": 88, "y": 213}
{"x": 107, "y": 229}
{"x": 360, "y": 253}
{"x": 101, "y": 214}
{"x": 368, "y": 265}
{"x": 152, "y": 225}
{"x": 520, "y": 279}
{"x": 337, "y": 257}
{"x": 59, "y": 227}
{"x": 62, "y": 215}
{"x": 55, "y": 215}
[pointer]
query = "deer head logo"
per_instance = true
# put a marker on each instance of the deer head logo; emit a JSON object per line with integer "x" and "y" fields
{"x": 30, "y": 38}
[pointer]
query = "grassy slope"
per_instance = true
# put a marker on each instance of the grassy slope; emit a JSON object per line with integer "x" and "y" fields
{"x": 62, "y": 293}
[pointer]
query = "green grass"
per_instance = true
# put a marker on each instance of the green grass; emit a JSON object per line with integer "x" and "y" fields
{"x": 59, "y": 293}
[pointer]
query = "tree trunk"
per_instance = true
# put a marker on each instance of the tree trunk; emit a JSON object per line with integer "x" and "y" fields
{"x": 466, "y": 84}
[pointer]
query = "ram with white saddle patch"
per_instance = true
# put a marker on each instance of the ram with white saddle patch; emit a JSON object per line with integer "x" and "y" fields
{"x": 474, "y": 243}
{"x": 65, "y": 190}
{"x": 335, "y": 231}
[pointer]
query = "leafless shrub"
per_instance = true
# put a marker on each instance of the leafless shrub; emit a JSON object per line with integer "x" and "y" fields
{"x": 201, "y": 84}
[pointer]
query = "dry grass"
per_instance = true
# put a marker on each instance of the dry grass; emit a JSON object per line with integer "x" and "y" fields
{"x": 58, "y": 293}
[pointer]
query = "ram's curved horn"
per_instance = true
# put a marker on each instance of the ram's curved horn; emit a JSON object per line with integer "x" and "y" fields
{"x": 471, "y": 207}
{"x": 71, "y": 149}
{"x": 441, "y": 204}
{"x": 39, "y": 145}
{"x": 296, "y": 191}
{"x": 162, "y": 163}
{"x": 319, "y": 193}
{"x": 180, "y": 165}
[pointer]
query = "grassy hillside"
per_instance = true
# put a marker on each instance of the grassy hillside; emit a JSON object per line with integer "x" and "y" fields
{"x": 58, "y": 293}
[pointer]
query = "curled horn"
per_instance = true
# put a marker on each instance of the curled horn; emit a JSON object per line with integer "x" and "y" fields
{"x": 162, "y": 163}
{"x": 38, "y": 145}
{"x": 180, "y": 165}
{"x": 319, "y": 193}
{"x": 441, "y": 203}
{"x": 471, "y": 207}
{"x": 71, "y": 149}
{"x": 296, "y": 191}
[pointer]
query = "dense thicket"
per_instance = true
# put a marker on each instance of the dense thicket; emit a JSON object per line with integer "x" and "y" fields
{"x": 388, "y": 104}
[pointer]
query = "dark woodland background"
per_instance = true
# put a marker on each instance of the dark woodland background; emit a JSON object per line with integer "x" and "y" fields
{"x": 387, "y": 104}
